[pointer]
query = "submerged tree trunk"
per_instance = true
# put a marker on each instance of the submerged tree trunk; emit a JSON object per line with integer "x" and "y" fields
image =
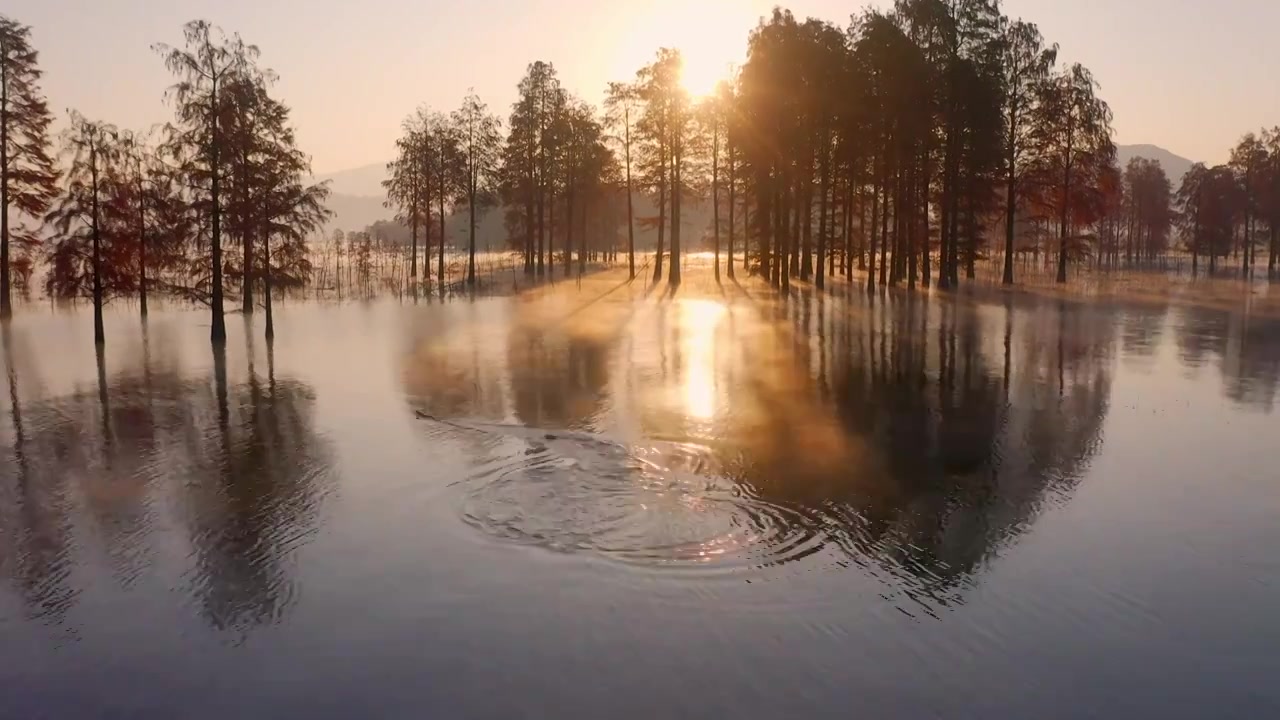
{"x": 266, "y": 269}
{"x": 631, "y": 225}
{"x": 99, "y": 337}
{"x": 142, "y": 252}
{"x": 218, "y": 326}
{"x": 6, "y": 308}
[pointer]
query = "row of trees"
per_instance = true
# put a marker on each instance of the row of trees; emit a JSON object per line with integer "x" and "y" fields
{"x": 554, "y": 159}
{"x": 919, "y": 130}
{"x": 1235, "y": 207}
{"x": 133, "y": 213}
{"x": 913, "y": 133}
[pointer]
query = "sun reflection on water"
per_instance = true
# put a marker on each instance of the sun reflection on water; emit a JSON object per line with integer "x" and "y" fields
{"x": 699, "y": 320}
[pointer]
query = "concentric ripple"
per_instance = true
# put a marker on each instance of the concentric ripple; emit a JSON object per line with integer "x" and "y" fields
{"x": 657, "y": 504}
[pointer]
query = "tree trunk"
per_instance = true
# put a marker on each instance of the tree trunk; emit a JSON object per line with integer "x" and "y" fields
{"x": 1066, "y": 203}
{"x": 99, "y": 337}
{"x": 662, "y": 210}
{"x": 142, "y": 247}
{"x": 440, "y": 257}
{"x": 1011, "y": 193}
{"x": 733, "y": 202}
{"x": 875, "y": 223}
{"x": 570, "y": 196}
{"x": 218, "y": 326}
{"x": 926, "y": 271}
{"x": 266, "y": 268}
{"x": 821, "y": 278}
{"x": 715, "y": 197}
{"x": 6, "y": 307}
{"x": 1273, "y": 249}
{"x": 246, "y": 280}
{"x": 677, "y": 193}
{"x": 631, "y": 225}
{"x": 413, "y": 251}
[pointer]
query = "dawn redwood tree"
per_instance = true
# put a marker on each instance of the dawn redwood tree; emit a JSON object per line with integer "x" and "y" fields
{"x": 663, "y": 130}
{"x": 1248, "y": 161}
{"x": 80, "y": 217}
{"x": 621, "y": 108}
{"x": 1026, "y": 63}
{"x": 1189, "y": 203}
{"x": 480, "y": 146}
{"x": 1271, "y": 196}
{"x": 28, "y": 180}
{"x": 290, "y": 210}
{"x": 1149, "y": 198}
{"x": 156, "y": 218}
{"x": 1073, "y": 129}
{"x": 206, "y": 64}
{"x": 444, "y": 149}
{"x": 408, "y": 183}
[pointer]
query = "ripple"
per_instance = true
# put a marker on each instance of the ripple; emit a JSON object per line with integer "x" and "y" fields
{"x": 657, "y": 504}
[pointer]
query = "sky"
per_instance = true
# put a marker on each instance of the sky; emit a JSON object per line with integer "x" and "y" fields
{"x": 1191, "y": 76}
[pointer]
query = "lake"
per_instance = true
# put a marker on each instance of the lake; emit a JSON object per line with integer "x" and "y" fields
{"x": 609, "y": 499}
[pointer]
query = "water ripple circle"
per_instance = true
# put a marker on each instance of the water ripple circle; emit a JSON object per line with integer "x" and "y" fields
{"x": 656, "y": 504}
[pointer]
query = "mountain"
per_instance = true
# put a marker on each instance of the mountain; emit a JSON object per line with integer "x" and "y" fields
{"x": 355, "y": 212}
{"x": 1175, "y": 166}
{"x": 364, "y": 181}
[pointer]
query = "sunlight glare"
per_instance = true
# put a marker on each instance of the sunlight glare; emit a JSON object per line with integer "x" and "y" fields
{"x": 700, "y": 320}
{"x": 711, "y": 36}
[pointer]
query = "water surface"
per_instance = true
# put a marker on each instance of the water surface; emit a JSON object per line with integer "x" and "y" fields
{"x": 611, "y": 499}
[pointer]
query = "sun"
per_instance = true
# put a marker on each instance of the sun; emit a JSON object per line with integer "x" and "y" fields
{"x": 711, "y": 36}
{"x": 702, "y": 73}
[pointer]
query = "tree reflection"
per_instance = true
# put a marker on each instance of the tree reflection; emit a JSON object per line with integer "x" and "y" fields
{"x": 254, "y": 496}
{"x": 35, "y": 529}
{"x": 918, "y": 434}
{"x": 965, "y": 438}
{"x": 1246, "y": 350}
{"x": 104, "y": 462}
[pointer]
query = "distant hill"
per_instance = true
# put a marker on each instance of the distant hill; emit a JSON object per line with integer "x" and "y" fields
{"x": 1175, "y": 166}
{"x": 355, "y": 212}
{"x": 364, "y": 181}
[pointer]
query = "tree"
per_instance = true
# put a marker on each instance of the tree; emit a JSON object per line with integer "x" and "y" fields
{"x": 1249, "y": 162}
{"x": 480, "y": 144}
{"x": 1271, "y": 196}
{"x": 80, "y": 217}
{"x": 1074, "y": 132}
{"x": 409, "y": 182}
{"x": 1026, "y": 64}
{"x": 205, "y": 66}
{"x": 663, "y": 131}
{"x": 156, "y": 218}
{"x": 621, "y": 106}
{"x": 27, "y": 176}
{"x": 291, "y": 210}
{"x": 1148, "y": 198}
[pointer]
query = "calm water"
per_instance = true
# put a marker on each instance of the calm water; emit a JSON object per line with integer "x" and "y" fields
{"x": 615, "y": 501}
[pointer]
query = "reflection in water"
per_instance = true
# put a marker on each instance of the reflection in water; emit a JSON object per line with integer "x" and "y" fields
{"x": 718, "y": 477}
{"x": 256, "y": 497}
{"x": 915, "y": 435}
{"x": 242, "y": 463}
{"x": 34, "y": 526}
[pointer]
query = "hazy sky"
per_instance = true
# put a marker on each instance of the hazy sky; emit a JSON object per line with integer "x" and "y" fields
{"x": 1188, "y": 75}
